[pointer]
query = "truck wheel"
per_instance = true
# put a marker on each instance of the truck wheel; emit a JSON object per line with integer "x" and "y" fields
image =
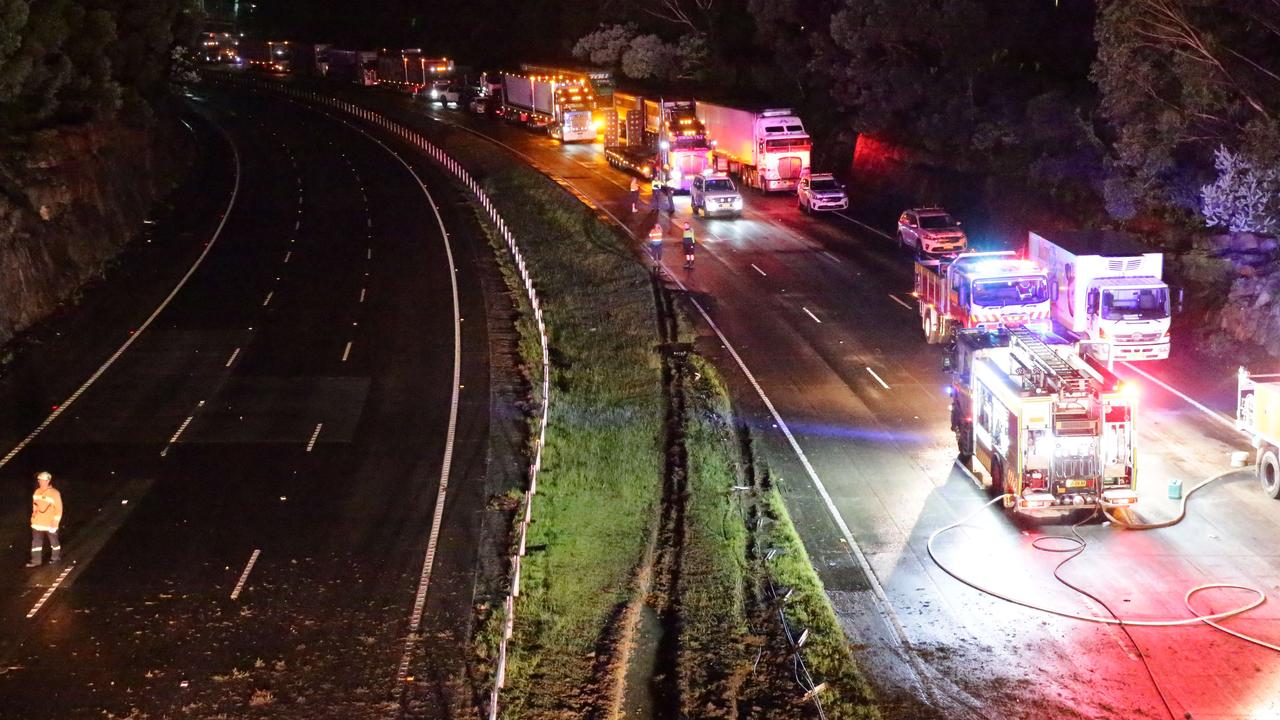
{"x": 926, "y": 324}
{"x": 997, "y": 477}
{"x": 1269, "y": 472}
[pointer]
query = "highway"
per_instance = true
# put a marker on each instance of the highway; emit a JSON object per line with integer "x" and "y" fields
{"x": 815, "y": 315}
{"x": 251, "y": 434}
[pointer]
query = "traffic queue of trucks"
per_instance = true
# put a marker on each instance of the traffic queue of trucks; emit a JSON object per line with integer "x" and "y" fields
{"x": 658, "y": 139}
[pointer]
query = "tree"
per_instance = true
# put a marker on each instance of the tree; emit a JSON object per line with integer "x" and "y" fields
{"x": 605, "y": 46}
{"x": 1245, "y": 197}
{"x": 1180, "y": 78}
{"x": 649, "y": 56}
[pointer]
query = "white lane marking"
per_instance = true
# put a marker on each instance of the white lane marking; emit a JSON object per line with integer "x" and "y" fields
{"x": 232, "y": 359}
{"x": 362, "y": 294}
{"x": 288, "y": 255}
{"x": 297, "y": 224}
{"x": 879, "y": 379}
{"x": 877, "y": 231}
{"x": 815, "y": 317}
{"x": 315, "y": 434}
{"x": 178, "y": 433}
{"x": 833, "y": 258}
{"x": 346, "y": 351}
{"x": 235, "y": 190}
{"x": 762, "y": 273}
{"x": 49, "y": 593}
{"x": 245, "y": 575}
{"x": 903, "y": 304}
{"x": 268, "y": 300}
{"x": 883, "y": 604}
{"x": 368, "y": 253}
{"x": 1202, "y": 408}
{"x": 433, "y": 539}
{"x": 299, "y": 198}
{"x": 368, "y": 222}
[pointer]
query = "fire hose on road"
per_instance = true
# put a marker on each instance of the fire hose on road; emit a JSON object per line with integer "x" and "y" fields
{"x": 1075, "y": 545}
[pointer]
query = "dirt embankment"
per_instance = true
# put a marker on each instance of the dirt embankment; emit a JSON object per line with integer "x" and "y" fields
{"x": 70, "y": 199}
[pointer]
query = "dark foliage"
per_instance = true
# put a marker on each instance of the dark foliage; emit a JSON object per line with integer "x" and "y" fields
{"x": 66, "y": 61}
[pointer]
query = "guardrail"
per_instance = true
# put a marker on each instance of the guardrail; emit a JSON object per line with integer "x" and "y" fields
{"x": 458, "y": 171}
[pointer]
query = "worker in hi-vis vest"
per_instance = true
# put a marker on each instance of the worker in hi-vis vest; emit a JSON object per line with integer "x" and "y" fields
{"x": 46, "y": 515}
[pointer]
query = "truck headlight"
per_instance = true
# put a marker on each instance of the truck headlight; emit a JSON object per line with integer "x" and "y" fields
{"x": 434, "y": 93}
{"x": 675, "y": 174}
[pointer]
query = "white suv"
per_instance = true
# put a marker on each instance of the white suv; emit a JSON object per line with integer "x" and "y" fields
{"x": 714, "y": 194}
{"x": 821, "y": 192}
{"x": 931, "y": 231}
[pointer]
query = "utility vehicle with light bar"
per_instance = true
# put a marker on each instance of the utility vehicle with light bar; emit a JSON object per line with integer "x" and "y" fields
{"x": 1047, "y": 427}
{"x": 980, "y": 290}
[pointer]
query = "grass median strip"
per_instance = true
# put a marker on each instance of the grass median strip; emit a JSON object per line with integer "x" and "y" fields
{"x": 606, "y": 491}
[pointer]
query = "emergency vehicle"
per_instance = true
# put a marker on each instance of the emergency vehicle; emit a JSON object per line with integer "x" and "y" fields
{"x": 1258, "y": 416}
{"x": 1046, "y": 427}
{"x": 980, "y": 289}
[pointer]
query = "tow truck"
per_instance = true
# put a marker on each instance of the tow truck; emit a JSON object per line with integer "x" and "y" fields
{"x": 1040, "y": 422}
{"x": 980, "y": 289}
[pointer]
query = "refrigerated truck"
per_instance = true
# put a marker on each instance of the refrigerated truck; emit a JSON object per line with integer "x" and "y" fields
{"x": 560, "y": 102}
{"x": 1107, "y": 286}
{"x": 657, "y": 138}
{"x": 767, "y": 149}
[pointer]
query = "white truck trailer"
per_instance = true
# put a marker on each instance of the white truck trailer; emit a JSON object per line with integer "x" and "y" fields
{"x": 767, "y": 149}
{"x": 1106, "y": 286}
{"x": 562, "y": 103}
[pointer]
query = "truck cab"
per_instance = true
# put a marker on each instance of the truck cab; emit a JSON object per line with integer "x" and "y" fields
{"x": 980, "y": 290}
{"x": 1108, "y": 287}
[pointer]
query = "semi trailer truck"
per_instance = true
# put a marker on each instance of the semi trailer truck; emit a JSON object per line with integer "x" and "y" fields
{"x": 656, "y": 138}
{"x": 767, "y": 149}
{"x": 562, "y": 103}
{"x": 1107, "y": 286}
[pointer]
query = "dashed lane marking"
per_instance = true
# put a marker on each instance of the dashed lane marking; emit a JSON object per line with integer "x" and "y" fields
{"x": 879, "y": 379}
{"x": 288, "y": 255}
{"x": 49, "y": 593}
{"x": 815, "y": 317}
{"x": 245, "y": 575}
{"x": 314, "y": 435}
{"x": 362, "y": 290}
{"x": 900, "y": 302}
{"x": 268, "y": 300}
{"x": 368, "y": 253}
{"x": 832, "y": 258}
{"x": 226, "y": 213}
{"x": 762, "y": 273}
{"x": 232, "y": 359}
{"x": 346, "y": 351}
{"x": 178, "y": 433}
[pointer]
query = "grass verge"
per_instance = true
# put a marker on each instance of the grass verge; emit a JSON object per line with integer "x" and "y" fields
{"x": 602, "y": 483}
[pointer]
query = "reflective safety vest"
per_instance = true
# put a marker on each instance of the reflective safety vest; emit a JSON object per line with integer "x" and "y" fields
{"x": 655, "y": 235}
{"x": 687, "y": 237}
{"x": 46, "y": 509}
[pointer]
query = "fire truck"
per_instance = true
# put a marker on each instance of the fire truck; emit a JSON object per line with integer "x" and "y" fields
{"x": 1048, "y": 428}
{"x": 980, "y": 289}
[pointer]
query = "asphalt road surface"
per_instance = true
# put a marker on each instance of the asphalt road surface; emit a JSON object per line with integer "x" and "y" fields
{"x": 251, "y": 484}
{"x": 819, "y": 311}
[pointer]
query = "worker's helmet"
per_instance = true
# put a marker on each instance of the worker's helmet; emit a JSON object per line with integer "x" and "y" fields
{"x": 687, "y": 226}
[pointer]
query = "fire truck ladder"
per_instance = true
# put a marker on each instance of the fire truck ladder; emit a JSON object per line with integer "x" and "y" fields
{"x": 1068, "y": 380}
